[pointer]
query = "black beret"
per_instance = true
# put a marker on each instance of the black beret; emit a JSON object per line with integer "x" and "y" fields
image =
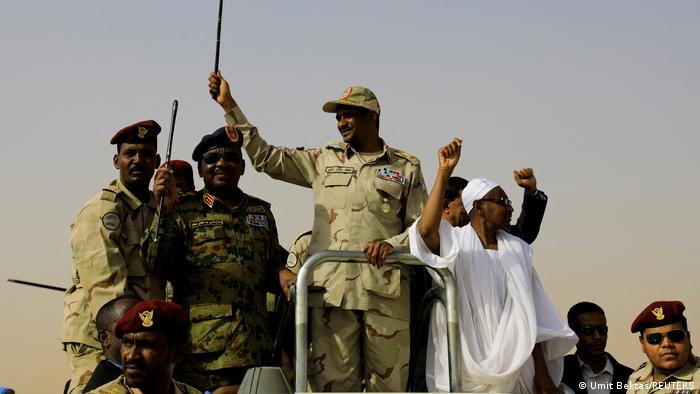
{"x": 658, "y": 313}
{"x": 152, "y": 315}
{"x": 144, "y": 131}
{"x": 223, "y": 136}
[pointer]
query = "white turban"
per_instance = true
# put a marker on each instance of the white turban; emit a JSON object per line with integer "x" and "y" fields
{"x": 476, "y": 189}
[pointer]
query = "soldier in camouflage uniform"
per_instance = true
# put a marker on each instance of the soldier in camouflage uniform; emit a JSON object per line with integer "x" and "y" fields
{"x": 366, "y": 194}
{"x": 105, "y": 238}
{"x": 220, "y": 250}
{"x": 153, "y": 335}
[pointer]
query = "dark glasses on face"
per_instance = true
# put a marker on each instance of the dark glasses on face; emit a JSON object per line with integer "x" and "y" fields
{"x": 231, "y": 156}
{"x": 588, "y": 330}
{"x": 501, "y": 201}
{"x": 657, "y": 337}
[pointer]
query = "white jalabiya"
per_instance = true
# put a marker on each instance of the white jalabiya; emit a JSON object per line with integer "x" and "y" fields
{"x": 503, "y": 312}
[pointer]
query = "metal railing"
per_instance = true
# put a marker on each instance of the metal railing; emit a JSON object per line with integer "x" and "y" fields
{"x": 339, "y": 256}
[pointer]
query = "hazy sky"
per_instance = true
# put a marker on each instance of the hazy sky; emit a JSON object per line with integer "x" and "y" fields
{"x": 601, "y": 98}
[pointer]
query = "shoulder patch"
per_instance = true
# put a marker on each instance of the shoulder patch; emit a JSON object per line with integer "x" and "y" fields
{"x": 111, "y": 221}
{"x": 414, "y": 160}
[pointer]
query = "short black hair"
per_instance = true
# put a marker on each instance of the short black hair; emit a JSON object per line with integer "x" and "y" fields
{"x": 105, "y": 316}
{"x": 454, "y": 188}
{"x": 579, "y": 309}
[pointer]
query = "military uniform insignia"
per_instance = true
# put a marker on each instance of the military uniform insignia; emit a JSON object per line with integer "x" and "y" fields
{"x": 391, "y": 175}
{"x": 142, "y": 132}
{"x": 659, "y": 313}
{"x": 203, "y": 223}
{"x": 340, "y": 170}
{"x": 146, "y": 318}
{"x": 231, "y": 133}
{"x": 209, "y": 200}
{"x": 385, "y": 206}
{"x": 111, "y": 221}
{"x": 346, "y": 93}
{"x": 255, "y": 208}
{"x": 257, "y": 220}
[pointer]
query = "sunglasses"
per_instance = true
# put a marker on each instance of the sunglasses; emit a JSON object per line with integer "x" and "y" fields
{"x": 588, "y": 329}
{"x": 231, "y": 156}
{"x": 657, "y": 337}
{"x": 500, "y": 201}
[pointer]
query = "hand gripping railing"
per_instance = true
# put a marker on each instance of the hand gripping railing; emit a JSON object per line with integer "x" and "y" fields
{"x": 341, "y": 256}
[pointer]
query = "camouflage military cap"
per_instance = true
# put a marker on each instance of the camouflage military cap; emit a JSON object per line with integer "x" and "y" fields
{"x": 223, "y": 136}
{"x": 354, "y": 96}
{"x": 139, "y": 132}
{"x": 658, "y": 313}
{"x": 153, "y": 315}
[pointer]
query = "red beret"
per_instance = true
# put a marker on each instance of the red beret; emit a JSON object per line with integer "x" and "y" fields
{"x": 181, "y": 167}
{"x": 144, "y": 131}
{"x": 658, "y": 313}
{"x": 155, "y": 315}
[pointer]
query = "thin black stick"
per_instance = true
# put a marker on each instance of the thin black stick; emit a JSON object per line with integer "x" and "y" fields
{"x": 218, "y": 37}
{"x": 168, "y": 152}
{"x": 43, "y": 286}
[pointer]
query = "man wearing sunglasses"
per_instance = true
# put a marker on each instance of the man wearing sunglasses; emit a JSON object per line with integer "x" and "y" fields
{"x": 592, "y": 369}
{"x": 664, "y": 338}
{"x": 531, "y": 213}
{"x": 512, "y": 338}
{"x": 219, "y": 247}
{"x": 105, "y": 238}
{"x": 366, "y": 194}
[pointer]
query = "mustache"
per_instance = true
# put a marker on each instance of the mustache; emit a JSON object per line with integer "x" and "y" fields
{"x": 137, "y": 167}
{"x": 135, "y": 364}
{"x": 221, "y": 170}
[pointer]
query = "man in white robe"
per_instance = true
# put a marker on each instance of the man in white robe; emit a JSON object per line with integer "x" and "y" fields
{"x": 512, "y": 338}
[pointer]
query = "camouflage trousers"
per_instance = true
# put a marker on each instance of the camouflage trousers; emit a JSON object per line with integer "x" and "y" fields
{"x": 352, "y": 346}
{"x": 82, "y": 359}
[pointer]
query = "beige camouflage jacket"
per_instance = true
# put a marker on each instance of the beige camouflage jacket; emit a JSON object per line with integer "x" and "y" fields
{"x": 355, "y": 202}
{"x": 105, "y": 239}
{"x": 119, "y": 386}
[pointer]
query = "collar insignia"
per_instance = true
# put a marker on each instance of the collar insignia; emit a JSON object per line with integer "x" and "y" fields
{"x": 146, "y": 318}
{"x": 659, "y": 313}
{"x": 209, "y": 200}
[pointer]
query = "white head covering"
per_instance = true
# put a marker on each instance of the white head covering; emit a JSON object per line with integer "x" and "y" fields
{"x": 476, "y": 189}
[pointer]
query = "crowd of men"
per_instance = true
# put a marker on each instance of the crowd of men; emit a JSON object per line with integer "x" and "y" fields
{"x": 172, "y": 297}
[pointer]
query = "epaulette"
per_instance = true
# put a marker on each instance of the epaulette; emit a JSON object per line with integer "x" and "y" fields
{"x": 188, "y": 201}
{"x": 414, "y": 160}
{"x": 301, "y": 236}
{"x": 255, "y": 204}
{"x": 108, "y": 194}
{"x": 336, "y": 145}
{"x": 644, "y": 364}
